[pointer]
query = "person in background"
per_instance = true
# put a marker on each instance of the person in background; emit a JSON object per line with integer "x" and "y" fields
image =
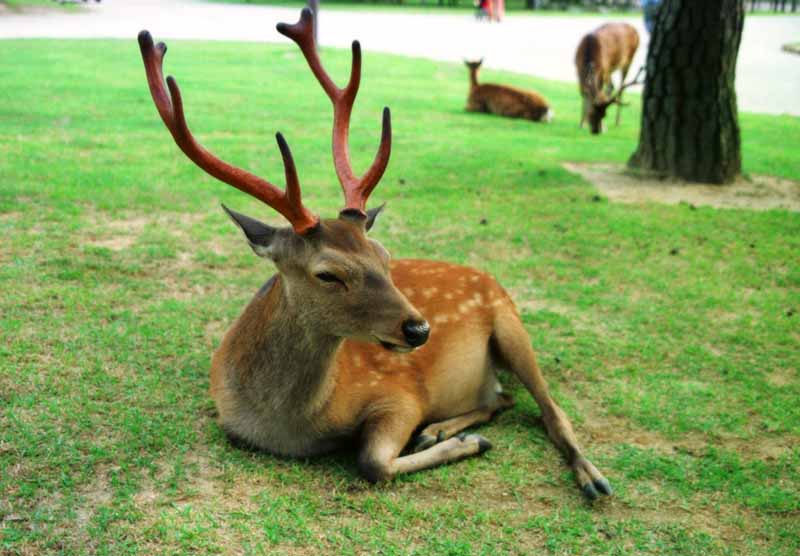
{"x": 482, "y": 9}
{"x": 498, "y": 10}
{"x": 650, "y": 8}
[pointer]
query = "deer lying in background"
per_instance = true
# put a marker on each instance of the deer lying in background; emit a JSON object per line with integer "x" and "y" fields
{"x": 335, "y": 345}
{"x": 608, "y": 48}
{"x": 504, "y": 100}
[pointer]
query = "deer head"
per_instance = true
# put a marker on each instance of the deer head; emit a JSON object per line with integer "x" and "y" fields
{"x": 601, "y": 102}
{"x": 473, "y": 66}
{"x": 334, "y": 277}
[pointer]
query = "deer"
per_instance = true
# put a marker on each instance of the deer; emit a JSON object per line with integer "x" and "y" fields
{"x": 344, "y": 345}
{"x": 608, "y": 48}
{"x": 504, "y": 100}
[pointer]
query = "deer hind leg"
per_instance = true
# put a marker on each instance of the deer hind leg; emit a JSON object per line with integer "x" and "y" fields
{"x": 441, "y": 431}
{"x": 385, "y": 435}
{"x": 514, "y": 348}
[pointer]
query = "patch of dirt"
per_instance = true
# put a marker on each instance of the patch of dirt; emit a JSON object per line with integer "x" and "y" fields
{"x": 527, "y": 299}
{"x": 204, "y": 491}
{"x": 95, "y": 494}
{"x": 12, "y": 215}
{"x": 123, "y": 233}
{"x": 114, "y": 243}
{"x": 120, "y": 234}
{"x": 497, "y": 251}
{"x": 214, "y": 331}
{"x": 781, "y": 378}
{"x": 623, "y": 186}
{"x": 615, "y": 430}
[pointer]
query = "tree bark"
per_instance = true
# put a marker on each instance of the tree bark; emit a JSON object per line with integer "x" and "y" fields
{"x": 690, "y": 123}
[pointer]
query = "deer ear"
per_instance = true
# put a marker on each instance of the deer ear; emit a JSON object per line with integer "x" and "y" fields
{"x": 260, "y": 236}
{"x": 372, "y": 214}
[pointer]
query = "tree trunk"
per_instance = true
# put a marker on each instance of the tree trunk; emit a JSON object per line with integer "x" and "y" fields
{"x": 690, "y": 125}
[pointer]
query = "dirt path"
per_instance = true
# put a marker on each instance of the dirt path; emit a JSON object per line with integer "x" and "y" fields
{"x": 756, "y": 193}
{"x": 768, "y": 79}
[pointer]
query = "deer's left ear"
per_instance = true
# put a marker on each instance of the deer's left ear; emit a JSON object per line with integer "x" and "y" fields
{"x": 372, "y": 214}
{"x": 260, "y": 236}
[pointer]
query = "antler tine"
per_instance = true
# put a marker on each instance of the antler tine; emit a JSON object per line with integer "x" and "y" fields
{"x": 170, "y": 108}
{"x": 378, "y": 166}
{"x": 356, "y": 190}
{"x": 624, "y": 86}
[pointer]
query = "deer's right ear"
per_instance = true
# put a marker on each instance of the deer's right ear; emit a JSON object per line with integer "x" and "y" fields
{"x": 372, "y": 214}
{"x": 260, "y": 236}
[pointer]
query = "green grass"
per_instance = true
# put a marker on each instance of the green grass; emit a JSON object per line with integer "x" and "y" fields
{"x": 119, "y": 273}
{"x": 18, "y": 4}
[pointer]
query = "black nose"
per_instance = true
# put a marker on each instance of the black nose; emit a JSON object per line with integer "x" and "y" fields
{"x": 416, "y": 332}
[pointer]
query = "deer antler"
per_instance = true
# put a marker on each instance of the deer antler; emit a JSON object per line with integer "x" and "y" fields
{"x": 616, "y": 96}
{"x": 170, "y": 107}
{"x": 356, "y": 190}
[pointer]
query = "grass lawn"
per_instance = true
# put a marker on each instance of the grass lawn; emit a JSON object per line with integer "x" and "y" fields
{"x": 668, "y": 333}
{"x": 16, "y": 4}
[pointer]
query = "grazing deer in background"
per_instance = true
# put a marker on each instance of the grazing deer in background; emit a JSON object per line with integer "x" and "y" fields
{"x": 608, "y": 48}
{"x": 344, "y": 342}
{"x": 503, "y": 100}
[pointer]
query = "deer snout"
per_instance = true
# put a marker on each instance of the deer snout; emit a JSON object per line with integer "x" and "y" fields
{"x": 416, "y": 332}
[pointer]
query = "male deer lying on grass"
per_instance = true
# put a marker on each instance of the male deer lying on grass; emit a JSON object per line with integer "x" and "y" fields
{"x": 335, "y": 346}
{"x": 504, "y": 100}
{"x": 608, "y": 48}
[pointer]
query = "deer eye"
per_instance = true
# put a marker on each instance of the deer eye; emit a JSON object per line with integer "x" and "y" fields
{"x": 329, "y": 277}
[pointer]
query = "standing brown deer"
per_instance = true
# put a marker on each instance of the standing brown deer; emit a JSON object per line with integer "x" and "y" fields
{"x": 504, "y": 100}
{"x": 608, "y": 48}
{"x": 335, "y": 345}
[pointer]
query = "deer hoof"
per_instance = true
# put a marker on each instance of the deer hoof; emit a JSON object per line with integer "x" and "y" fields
{"x": 603, "y": 486}
{"x": 505, "y": 401}
{"x": 423, "y": 442}
{"x": 590, "y": 480}
{"x": 594, "y": 489}
{"x": 483, "y": 443}
{"x": 589, "y": 491}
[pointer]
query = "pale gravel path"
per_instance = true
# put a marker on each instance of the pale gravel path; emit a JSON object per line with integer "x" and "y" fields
{"x": 768, "y": 79}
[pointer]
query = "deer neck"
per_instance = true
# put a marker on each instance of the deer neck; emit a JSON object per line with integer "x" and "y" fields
{"x": 473, "y": 79}
{"x": 290, "y": 358}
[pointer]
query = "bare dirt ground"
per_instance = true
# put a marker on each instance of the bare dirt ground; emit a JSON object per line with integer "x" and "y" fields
{"x": 756, "y": 192}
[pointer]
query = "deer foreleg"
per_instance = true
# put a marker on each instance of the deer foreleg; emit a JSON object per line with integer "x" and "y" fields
{"x": 386, "y": 435}
{"x": 438, "y": 432}
{"x": 584, "y": 111}
{"x": 621, "y": 83}
{"x": 514, "y": 348}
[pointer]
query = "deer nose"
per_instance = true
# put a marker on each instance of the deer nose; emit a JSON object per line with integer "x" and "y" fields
{"x": 416, "y": 332}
